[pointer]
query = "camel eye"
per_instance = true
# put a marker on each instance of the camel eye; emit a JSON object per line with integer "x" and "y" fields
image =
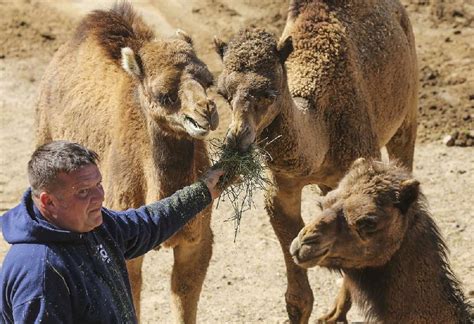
{"x": 225, "y": 96}
{"x": 265, "y": 101}
{"x": 166, "y": 99}
{"x": 367, "y": 224}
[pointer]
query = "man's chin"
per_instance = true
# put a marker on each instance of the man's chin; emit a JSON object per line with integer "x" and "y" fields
{"x": 96, "y": 219}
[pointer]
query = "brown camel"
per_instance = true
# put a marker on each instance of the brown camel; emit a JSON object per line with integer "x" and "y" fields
{"x": 341, "y": 84}
{"x": 375, "y": 227}
{"x": 141, "y": 103}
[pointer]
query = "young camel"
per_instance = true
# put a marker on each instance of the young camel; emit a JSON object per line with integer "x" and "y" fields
{"x": 349, "y": 88}
{"x": 141, "y": 103}
{"x": 375, "y": 228}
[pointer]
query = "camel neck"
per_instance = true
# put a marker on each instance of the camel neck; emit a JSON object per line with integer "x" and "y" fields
{"x": 417, "y": 283}
{"x": 173, "y": 158}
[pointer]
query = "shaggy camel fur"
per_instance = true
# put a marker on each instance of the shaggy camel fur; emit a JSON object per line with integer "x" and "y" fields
{"x": 141, "y": 103}
{"x": 375, "y": 227}
{"x": 349, "y": 88}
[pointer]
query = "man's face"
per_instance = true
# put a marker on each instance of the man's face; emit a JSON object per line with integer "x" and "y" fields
{"x": 76, "y": 201}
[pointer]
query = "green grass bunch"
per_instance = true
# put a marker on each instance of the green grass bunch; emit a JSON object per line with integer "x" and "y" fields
{"x": 244, "y": 175}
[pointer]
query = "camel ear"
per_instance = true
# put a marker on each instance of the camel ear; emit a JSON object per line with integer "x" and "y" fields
{"x": 220, "y": 47}
{"x": 409, "y": 192}
{"x": 129, "y": 62}
{"x": 184, "y": 36}
{"x": 284, "y": 49}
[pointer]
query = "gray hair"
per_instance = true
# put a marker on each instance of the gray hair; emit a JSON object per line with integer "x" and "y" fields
{"x": 50, "y": 159}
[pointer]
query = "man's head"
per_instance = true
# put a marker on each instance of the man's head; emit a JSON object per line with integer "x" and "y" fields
{"x": 66, "y": 185}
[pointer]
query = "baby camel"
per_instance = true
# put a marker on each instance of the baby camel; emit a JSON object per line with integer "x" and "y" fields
{"x": 376, "y": 229}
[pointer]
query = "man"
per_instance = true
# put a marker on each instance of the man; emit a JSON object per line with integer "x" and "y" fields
{"x": 67, "y": 260}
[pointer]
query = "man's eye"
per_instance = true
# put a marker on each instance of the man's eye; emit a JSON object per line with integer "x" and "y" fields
{"x": 83, "y": 192}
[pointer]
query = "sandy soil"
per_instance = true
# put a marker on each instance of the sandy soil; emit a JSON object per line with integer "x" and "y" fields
{"x": 246, "y": 280}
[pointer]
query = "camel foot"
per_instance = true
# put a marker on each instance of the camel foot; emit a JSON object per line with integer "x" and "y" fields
{"x": 333, "y": 317}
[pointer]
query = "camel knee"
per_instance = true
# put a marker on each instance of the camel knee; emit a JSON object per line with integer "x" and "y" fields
{"x": 299, "y": 306}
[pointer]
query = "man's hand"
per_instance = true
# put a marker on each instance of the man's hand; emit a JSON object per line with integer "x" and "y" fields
{"x": 211, "y": 178}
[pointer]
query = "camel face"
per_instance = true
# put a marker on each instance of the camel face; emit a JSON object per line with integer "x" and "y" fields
{"x": 250, "y": 82}
{"x": 362, "y": 222}
{"x": 173, "y": 88}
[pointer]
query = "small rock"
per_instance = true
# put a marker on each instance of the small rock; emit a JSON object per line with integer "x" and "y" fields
{"x": 460, "y": 142}
{"x": 461, "y": 172}
{"x": 457, "y": 13}
{"x": 466, "y": 117}
{"x": 48, "y": 36}
{"x": 448, "y": 40}
{"x": 471, "y": 96}
{"x": 448, "y": 140}
{"x": 457, "y": 32}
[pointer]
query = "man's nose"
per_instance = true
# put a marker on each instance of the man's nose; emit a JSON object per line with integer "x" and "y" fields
{"x": 99, "y": 193}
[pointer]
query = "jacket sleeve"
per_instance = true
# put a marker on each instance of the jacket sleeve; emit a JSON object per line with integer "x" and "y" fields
{"x": 139, "y": 230}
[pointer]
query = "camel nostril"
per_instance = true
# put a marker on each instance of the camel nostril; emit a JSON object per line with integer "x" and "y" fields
{"x": 311, "y": 239}
{"x": 294, "y": 247}
{"x": 213, "y": 119}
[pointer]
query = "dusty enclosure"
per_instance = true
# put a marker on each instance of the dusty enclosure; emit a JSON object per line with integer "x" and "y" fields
{"x": 246, "y": 279}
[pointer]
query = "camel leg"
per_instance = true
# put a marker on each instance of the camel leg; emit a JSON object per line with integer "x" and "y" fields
{"x": 402, "y": 145}
{"x": 283, "y": 204}
{"x": 191, "y": 261}
{"x": 134, "y": 268}
{"x": 341, "y": 307}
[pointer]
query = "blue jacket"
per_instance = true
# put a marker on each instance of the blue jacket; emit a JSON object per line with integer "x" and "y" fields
{"x": 51, "y": 275}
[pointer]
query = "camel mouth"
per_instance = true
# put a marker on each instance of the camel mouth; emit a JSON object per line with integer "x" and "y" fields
{"x": 194, "y": 129}
{"x": 307, "y": 255}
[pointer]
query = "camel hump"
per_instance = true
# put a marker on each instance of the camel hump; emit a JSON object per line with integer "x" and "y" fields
{"x": 115, "y": 29}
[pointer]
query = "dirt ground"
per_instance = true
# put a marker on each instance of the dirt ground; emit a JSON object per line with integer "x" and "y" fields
{"x": 246, "y": 280}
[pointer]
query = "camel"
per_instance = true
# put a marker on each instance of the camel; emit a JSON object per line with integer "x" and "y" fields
{"x": 340, "y": 84}
{"x": 141, "y": 103}
{"x": 376, "y": 228}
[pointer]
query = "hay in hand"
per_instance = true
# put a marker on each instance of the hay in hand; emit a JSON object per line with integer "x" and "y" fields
{"x": 245, "y": 172}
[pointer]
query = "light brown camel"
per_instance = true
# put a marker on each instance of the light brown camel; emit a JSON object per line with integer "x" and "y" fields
{"x": 375, "y": 227}
{"x": 141, "y": 103}
{"x": 341, "y": 84}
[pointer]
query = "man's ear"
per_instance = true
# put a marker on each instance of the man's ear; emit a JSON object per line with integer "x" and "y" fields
{"x": 45, "y": 200}
{"x": 284, "y": 49}
{"x": 220, "y": 47}
{"x": 409, "y": 192}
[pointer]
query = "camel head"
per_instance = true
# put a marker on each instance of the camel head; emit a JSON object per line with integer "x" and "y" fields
{"x": 363, "y": 222}
{"x": 172, "y": 84}
{"x": 251, "y": 81}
